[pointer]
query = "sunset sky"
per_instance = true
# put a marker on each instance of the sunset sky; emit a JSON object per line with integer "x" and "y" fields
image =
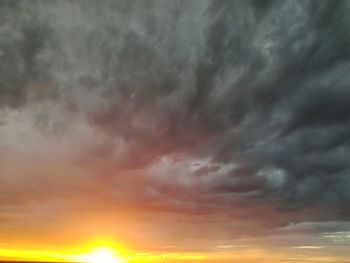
{"x": 175, "y": 130}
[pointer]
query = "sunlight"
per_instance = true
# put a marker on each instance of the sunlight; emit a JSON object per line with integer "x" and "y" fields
{"x": 102, "y": 255}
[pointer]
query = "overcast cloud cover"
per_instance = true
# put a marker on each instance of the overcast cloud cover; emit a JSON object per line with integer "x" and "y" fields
{"x": 236, "y": 113}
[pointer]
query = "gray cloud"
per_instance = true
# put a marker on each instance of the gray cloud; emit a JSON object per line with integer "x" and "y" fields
{"x": 212, "y": 105}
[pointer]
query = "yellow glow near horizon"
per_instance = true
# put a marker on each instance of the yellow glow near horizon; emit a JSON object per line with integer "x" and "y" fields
{"x": 112, "y": 255}
{"x": 102, "y": 250}
{"x": 101, "y": 255}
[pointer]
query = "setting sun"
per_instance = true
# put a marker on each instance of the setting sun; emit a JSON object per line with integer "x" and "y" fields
{"x": 102, "y": 255}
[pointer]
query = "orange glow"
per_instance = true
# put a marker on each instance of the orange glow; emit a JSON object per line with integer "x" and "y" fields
{"x": 102, "y": 251}
{"x": 101, "y": 255}
{"x": 97, "y": 251}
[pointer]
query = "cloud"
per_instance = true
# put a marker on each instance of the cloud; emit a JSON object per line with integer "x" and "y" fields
{"x": 202, "y": 107}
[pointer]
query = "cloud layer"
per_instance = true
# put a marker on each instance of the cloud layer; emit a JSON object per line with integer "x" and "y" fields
{"x": 226, "y": 109}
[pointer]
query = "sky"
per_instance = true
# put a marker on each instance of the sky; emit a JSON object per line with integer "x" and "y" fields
{"x": 187, "y": 131}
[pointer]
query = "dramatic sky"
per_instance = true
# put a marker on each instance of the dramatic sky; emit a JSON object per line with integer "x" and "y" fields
{"x": 214, "y": 130}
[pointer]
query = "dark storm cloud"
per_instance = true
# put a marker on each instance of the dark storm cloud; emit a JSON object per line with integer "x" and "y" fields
{"x": 255, "y": 91}
{"x": 22, "y": 39}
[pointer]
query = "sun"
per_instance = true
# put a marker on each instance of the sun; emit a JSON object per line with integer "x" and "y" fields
{"x": 102, "y": 255}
